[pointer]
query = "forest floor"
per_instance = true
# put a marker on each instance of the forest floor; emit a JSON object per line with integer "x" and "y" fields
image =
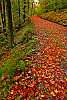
{"x": 46, "y": 78}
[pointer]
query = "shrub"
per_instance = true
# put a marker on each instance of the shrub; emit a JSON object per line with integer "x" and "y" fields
{"x": 59, "y": 17}
{"x": 21, "y": 65}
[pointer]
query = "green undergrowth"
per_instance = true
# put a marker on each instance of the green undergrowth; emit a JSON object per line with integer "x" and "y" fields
{"x": 3, "y": 44}
{"x": 59, "y": 16}
{"x": 17, "y": 61}
{"x": 24, "y": 34}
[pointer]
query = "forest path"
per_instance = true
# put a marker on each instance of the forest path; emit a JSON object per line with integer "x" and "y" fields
{"x": 45, "y": 79}
{"x": 43, "y": 26}
{"x": 49, "y": 34}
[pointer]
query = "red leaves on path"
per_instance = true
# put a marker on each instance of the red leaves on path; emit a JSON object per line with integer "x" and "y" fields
{"x": 47, "y": 80}
{"x": 56, "y": 29}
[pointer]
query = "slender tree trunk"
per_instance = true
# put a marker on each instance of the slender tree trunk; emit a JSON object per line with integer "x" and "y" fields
{"x": 10, "y": 24}
{"x": 28, "y": 7}
{"x": 32, "y": 8}
{"x": 4, "y": 19}
{"x": 24, "y": 16}
{"x": 2, "y": 16}
{"x": 0, "y": 27}
{"x": 19, "y": 11}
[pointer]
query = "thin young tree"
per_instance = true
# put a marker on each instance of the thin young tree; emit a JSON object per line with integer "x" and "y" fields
{"x": 1, "y": 11}
{"x": 28, "y": 6}
{"x": 4, "y": 17}
{"x": 10, "y": 24}
{"x": 24, "y": 7}
{"x": 32, "y": 7}
{"x": 19, "y": 11}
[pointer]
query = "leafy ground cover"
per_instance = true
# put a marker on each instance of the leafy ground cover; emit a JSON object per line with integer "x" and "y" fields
{"x": 45, "y": 78}
{"x": 21, "y": 36}
{"x": 13, "y": 62}
{"x": 59, "y": 17}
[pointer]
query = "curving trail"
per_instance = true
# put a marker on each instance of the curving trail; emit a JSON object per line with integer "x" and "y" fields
{"x": 44, "y": 79}
{"x": 48, "y": 25}
{"x": 45, "y": 25}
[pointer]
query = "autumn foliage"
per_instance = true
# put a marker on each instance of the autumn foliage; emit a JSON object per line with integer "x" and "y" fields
{"x": 46, "y": 80}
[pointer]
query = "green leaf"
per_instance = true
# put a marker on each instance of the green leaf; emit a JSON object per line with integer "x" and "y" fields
{"x": 21, "y": 65}
{"x": 12, "y": 71}
{"x": 8, "y": 64}
{"x": 45, "y": 90}
{"x": 1, "y": 72}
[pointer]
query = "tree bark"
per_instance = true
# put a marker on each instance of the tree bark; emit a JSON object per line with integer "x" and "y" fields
{"x": 32, "y": 8}
{"x": 28, "y": 6}
{"x": 10, "y": 24}
{"x": 19, "y": 11}
{"x": 24, "y": 16}
{"x": 1, "y": 11}
{"x": 4, "y": 18}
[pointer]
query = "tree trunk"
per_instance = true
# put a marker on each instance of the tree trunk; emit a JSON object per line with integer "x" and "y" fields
{"x": 28, "y": 7}
{"x": 2, "y": 16}
{"x": 28, "y": 10}
{"x": 32, "y": 8}
{"x": 24, "y": 16}
{"x": 19, "y": 11}
{"x": 4, "y": 19}
{"x": 10, "y": 24}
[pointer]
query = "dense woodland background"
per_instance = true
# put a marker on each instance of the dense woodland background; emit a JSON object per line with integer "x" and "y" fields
{"x": 16, "y": 13}
{"x": 17, "y": 36}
